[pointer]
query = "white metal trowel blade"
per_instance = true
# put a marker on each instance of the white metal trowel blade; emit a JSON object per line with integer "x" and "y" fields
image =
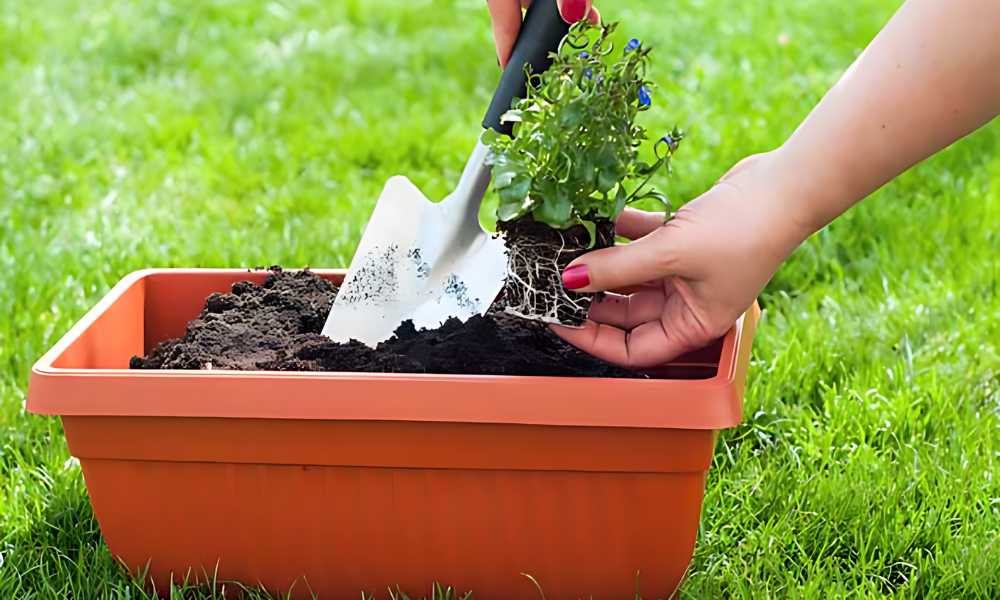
{"x": 418, "y": 260}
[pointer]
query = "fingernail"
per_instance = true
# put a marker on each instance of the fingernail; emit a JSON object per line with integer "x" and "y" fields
{"x": 574, "y": 10}
{"x": 576, "y": 277}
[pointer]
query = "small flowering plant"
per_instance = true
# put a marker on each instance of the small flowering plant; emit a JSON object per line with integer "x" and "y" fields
{"x": 571, "y": 167}
{"x": 574, "y": 157}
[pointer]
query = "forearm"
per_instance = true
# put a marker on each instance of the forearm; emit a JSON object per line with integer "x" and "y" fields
{"x": 929, "y": 78}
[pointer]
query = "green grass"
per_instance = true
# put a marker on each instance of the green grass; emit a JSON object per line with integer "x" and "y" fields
{"x": 225, "y": 133}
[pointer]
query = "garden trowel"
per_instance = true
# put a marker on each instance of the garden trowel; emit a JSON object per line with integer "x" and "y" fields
{"x": 427, "y": 262}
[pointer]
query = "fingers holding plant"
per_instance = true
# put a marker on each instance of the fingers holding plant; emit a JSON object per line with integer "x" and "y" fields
{"x": 641, "y": 330}
{"x": 692, "y": 276}
{"x": 506, "y": 16}
{"x": 660, "y": 319}
{"x": 646, "y": 259}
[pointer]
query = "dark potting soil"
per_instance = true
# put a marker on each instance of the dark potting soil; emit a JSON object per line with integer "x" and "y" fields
{"x": 276, "y": 326}
{"x": 538, "y": 254}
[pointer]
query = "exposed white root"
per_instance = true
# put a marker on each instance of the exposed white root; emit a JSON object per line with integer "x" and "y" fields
{"x": 534, "y": 288}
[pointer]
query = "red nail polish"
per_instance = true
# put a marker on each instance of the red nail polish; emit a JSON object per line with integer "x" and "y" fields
{"x": 576, "y": 277}
{"x": 574, "y": 10}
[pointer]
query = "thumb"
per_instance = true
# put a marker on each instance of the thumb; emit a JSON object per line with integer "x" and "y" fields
{"x": 647, "y": 259}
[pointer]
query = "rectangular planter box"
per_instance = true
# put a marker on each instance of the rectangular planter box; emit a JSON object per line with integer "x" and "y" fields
{"x": 333, "y": 483}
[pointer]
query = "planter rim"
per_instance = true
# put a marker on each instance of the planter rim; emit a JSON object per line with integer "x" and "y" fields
{"x": 711, "y": 403}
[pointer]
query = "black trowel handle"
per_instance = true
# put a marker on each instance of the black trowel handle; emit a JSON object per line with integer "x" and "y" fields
{"x": 541, "y": 32}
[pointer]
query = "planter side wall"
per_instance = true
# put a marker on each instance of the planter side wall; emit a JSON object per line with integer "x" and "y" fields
{"x": 116, "y": 334}
{"x": 346, "y": 529}
{"x": 351, "y": 506}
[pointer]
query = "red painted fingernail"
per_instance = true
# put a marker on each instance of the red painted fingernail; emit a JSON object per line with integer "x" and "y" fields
{"x": 574, "y": 10}
{"x": 576, "y": 277}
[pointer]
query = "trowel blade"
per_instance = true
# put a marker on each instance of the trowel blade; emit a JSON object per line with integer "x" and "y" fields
{"x": 418, "y": 260}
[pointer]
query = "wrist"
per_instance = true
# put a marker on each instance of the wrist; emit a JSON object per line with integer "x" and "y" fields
{"x": 809, "y": 192}
{"x": 782, "y": 220}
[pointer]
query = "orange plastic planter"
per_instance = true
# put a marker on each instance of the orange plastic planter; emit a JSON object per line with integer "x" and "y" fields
{"x": 340, "y": 482}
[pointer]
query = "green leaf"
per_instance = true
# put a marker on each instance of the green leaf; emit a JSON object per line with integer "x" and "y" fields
{"x": 589, "y": 206}
{"x": 583, "y": 171}
{"x": 572, "y": 114}
{"x": 608, "y": 178}
{"x": 509, "y": 210}
{"x": 506, "y": 169}
{"x": 555, "y": 210}
{"x": 516, "y": 190}
{"x": 489, "y": 136}
{"x": 620, "y": 197}
{"x": 502, "y": 178}
{"x": 610, "y": 169}
{"x": 546, "y": 188}
{"x": 512, "y": 116}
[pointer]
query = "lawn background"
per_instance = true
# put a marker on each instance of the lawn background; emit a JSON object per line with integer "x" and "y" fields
{"x": 233, "y": 134}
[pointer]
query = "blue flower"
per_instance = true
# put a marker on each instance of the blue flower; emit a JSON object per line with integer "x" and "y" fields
{"x": 644, "y": 99}
{"x": 588, "y": 73}
{"x": 584, "y": 55}
{"x": 633, "y": 44}
{"x": 669, "y": 141}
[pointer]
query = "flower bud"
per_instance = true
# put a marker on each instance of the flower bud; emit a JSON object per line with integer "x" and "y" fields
{"x": 644, "y": 99}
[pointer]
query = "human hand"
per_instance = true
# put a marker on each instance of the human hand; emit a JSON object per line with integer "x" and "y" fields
{"x": 507, "y": 14}
{"x": 691, "y": 277}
